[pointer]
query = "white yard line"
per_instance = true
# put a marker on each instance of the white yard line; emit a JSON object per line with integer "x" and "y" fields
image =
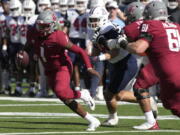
{"x": 69, "y": 115}
{"x": 96, "y": 132}
{"x": 26, "y": 99}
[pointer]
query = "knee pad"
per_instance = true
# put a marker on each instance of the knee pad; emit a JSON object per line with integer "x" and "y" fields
{"x": 138, "y": 93}
{"x": 71, "y": 103}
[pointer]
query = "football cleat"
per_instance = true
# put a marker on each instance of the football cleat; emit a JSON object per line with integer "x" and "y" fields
{"x": 111, "y": 122}
{"x": 92, "y": 126}
{"x": 148, "y": 126}
{"x": 88, "y": 100}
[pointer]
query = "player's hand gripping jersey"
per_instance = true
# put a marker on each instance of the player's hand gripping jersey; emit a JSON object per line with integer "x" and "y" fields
{"x": 107, "y": 33}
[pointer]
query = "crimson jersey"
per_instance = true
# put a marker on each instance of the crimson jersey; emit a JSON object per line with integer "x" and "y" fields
{"x": 164, "y": 55}
{"x": 164, "y": 49}
{"x": 132, "y": 30}
{"x": 51, "y": 50}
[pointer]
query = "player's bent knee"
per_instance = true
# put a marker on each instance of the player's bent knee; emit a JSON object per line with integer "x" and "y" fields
{"x": 71, "y": 103}
{"x": 138, "y": 93}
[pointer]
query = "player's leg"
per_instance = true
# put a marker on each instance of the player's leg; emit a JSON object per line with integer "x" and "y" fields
{"x": 111, "y": 104}
{"x": 14, "y": 48}
{"x": 60, "y": 84}
{"x": 170, "y": 95}
{"x": 32, "y": 74}
{"x": 96, "y": 89}
{"x": 145, "y": 79}
{"x": 43, "y": 89}
{"x": 121, "y": 74}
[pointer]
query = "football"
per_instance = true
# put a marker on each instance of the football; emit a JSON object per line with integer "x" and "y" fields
{"x": 22, "y": 59}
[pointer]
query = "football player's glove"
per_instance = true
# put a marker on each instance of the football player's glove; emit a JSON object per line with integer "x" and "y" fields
{"x": 94, "y": 38}
{"x": 122, "y": 41}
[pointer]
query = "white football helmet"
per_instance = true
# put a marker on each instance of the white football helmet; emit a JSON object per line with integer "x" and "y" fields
{"x": 96, "y": 3}
{"x": 98, "y": 17}
{"x": 29, "y": 8}
{"x": 172, "y": 4}
{"x": 46, "y": 22}
{"x": 15, "y": 8}
{"x": 63, "y": 6}
{"x": 55, "y": 5}
{"x": 71, "y": 4}
{"x": 81, "y": 5}
{"x": 43, "y": 4}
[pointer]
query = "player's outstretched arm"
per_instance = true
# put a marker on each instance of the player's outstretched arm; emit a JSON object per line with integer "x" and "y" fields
{"x": 84, "y": 56}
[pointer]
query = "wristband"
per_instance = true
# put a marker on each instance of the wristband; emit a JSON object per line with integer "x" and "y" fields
{"x": 102, "y": 57}
{"x": 4, "y": 47}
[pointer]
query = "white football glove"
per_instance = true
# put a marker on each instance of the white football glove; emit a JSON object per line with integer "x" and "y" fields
{"x": 112, "y": 44}
{"x": 94, "y": 38}
{"x": 122, "y": 41}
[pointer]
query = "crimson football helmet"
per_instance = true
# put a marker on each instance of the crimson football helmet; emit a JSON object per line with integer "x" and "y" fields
{"x": 46, "y": 22}
{"x": 156, "y": 10}
{"x": 134, "y": 11}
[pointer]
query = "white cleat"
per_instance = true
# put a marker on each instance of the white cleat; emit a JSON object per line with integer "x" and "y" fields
{"x": 92, "y": 126}
{"x": 86, "y": 97}
{"x": 111, "y": 122}
{"x": 148, "y": 126}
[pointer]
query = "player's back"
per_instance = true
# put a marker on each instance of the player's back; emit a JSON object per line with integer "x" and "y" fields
{"x": 164, "y": 50}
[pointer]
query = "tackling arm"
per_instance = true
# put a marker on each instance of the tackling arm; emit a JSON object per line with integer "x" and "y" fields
{"x": 80, "y": 51}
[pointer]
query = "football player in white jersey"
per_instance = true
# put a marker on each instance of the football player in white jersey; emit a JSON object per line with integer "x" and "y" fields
{"x": 77, "y": 34}
{"x": 13, "y": 27}
{"x": 4, "y": 59}
{"x": 28, "y": 11}
{"x": 122, "y": 65}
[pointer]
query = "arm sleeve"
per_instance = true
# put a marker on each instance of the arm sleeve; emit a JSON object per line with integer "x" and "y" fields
{"x": 64, "y": 42}
{"x": 83, "y": 55}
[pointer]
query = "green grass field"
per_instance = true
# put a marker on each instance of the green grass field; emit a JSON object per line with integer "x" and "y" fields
{"x": 29, "y": 116}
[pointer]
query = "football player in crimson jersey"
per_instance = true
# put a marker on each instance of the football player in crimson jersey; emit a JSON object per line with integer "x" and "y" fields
{"x": 160, "y": 40}
{"x": 51, "y": 47}
{"x": 146, "y": 77}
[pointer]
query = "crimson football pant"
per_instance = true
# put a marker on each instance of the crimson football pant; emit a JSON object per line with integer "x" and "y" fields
{"x": 60, "y": 83}
{"x": 170, "y": 96}
{"x": 169, "y": 93}
{"x": 146, "y": 78}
